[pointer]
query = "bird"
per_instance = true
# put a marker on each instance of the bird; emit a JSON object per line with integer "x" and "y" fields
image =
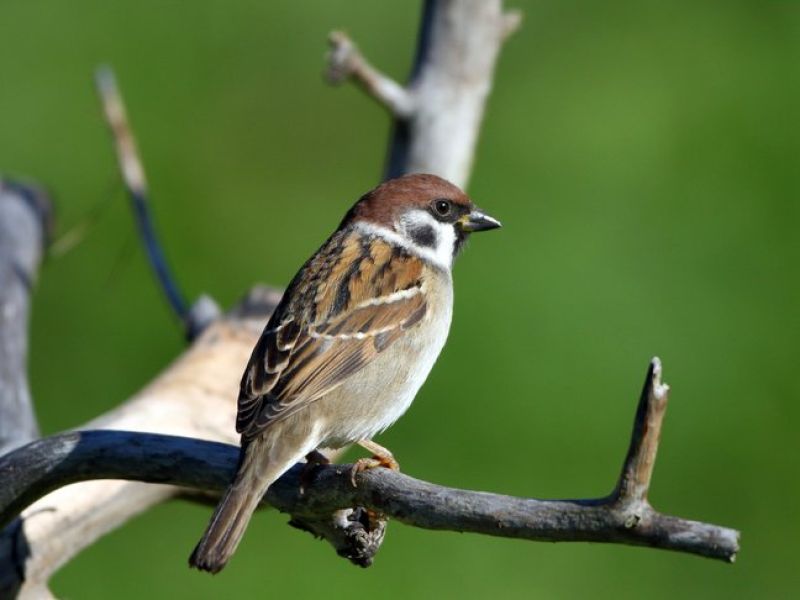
{"x": 351, "y": 342}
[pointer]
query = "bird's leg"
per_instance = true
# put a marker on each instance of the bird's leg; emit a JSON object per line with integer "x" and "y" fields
{"x": 381, "y": 457}
{"x": 314, "y": 459}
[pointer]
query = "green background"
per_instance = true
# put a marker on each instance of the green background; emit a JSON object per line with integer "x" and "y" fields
{"x": 642, "y": 156}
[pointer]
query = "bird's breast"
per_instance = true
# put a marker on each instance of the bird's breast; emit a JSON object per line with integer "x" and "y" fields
{"x": 378, "y": 395}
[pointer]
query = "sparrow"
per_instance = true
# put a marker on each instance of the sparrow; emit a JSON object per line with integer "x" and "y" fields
{"x": 349, "y": 345}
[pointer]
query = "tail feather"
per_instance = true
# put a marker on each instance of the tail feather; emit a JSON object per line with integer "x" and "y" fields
{"x": 226, "y": 528}
{"x": 261, "y": 464}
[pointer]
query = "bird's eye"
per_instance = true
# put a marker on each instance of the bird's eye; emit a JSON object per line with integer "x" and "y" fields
{"x": 442, "y": 207}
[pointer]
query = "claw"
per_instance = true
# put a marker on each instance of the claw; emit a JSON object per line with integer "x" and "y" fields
{"x": 364, "y": 464}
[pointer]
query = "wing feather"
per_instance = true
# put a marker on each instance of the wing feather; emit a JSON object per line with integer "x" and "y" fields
{"x": 349, "y": 303}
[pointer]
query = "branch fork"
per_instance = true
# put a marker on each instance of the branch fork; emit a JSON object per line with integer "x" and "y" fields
{"x": 345, "y": 61}
{"x": 437, "y": 115}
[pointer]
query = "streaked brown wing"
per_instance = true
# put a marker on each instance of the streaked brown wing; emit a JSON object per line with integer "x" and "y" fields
{"x": 364, "y": 294}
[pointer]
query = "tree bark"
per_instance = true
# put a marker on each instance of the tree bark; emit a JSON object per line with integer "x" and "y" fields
{"x": 437, "y": 115}
{"x": 25, "y": 214}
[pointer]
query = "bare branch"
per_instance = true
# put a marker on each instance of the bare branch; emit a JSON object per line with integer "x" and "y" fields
{"x": 25, "y": 218}
{"x": 195, "y": 397}
{"x": 25, "y": 226}
{"x": 194, "y": 319}
{"x": 634, "y": 481}
{"x": 438, "y": 114}
{"x": 509, "y": 23}
{"x": 47, "y": 464}
{"x": 345, "y": 61}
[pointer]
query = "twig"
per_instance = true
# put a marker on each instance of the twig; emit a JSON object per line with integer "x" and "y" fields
{"x": 637, "y": 470}
{"x": 193, "y": 319}
{"x": 345, "y": 61}
{"x": 623, "y": 517}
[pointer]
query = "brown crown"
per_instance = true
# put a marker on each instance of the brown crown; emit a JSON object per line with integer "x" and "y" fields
{"x": 385, "y": 203}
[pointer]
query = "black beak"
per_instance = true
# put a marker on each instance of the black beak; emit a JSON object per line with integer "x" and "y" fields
{"x": 477, "y": 220}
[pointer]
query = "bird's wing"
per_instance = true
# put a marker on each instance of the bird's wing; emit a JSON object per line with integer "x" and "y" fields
{"x": 349, "y": 303}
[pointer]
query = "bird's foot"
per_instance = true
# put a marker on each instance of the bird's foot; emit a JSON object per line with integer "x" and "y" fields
{"x": 381, "y": 457}
{"x": 314, "y": 459}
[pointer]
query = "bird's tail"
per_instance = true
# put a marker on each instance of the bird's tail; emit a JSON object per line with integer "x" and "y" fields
{"x": 227, "y": 526}
{"x": 225, "y": 529}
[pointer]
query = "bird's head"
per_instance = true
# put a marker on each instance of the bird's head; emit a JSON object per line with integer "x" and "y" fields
{"x": 426, "y": 212}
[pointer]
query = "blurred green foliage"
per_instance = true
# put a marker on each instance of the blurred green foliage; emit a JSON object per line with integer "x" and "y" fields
{"x": 642, "y": 157}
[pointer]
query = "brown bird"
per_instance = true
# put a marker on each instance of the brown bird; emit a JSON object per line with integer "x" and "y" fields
{"x": 351, "y": 342}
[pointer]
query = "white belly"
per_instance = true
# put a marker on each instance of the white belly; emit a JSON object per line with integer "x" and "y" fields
{"x": 378, "y": 395}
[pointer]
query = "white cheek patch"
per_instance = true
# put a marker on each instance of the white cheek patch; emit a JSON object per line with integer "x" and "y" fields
{"x": 440, "y": 255}
{"x": 424, "y": 233}
{"x": 447, "y": 244}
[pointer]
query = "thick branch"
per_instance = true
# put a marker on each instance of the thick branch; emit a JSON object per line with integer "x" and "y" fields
{"x": 25, "y": 215}
{"x": 620, "y": 518}
{"x": 195, "y": 396}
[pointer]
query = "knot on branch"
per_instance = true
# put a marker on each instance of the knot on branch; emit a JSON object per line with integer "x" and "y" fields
{"x": 355, "y": 533}
{"x": 200, "y": 315}
{"x": 633, "y": 518}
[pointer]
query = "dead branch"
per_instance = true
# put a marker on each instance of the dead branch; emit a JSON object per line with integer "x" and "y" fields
{"x": 25, "y": 216}
{"x": 25, "y": 226}
{"x": 195, "y": 397}
{"x": 439, "y": 112}
{"x": 345, "y": 61}
{"x": 622, "y": 517}
{"x": 195, "y": 318}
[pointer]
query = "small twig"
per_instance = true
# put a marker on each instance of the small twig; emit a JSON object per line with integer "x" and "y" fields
{"x": 345, "y": 61}
{"x": 194, "y": 319}
{"x": 637, "y": 470}
{"x": 66, "y": 458}
{"x": 510, "y": 22}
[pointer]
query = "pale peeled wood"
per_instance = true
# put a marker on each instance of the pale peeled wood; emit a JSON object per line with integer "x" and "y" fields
{"x": 195, "y": 396}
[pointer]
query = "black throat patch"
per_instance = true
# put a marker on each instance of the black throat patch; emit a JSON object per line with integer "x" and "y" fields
{"x": 461, "y": 239}
{"x": 424, "y": 235}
